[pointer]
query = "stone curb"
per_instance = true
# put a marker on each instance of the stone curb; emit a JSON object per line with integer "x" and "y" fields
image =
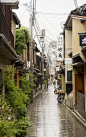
{"x": 37, "y": 94}
{"x": 77, "y": 115}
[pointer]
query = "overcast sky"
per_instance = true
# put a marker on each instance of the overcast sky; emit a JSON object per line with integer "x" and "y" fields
{"x": 59, "y": 10}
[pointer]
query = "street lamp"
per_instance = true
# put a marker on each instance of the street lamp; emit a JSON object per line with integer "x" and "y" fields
{"x": 42, "y": 38}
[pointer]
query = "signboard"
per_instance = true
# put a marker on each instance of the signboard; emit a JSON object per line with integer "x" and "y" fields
{"x": 57, "y": 68}
{"x": 9, "y": 1}
{"x": 82, "y": 39}
{"x": 28, "y": 64}
{"x": 44, "y": 69}
{"x": 68, "y": 60}
{"x": 60, "y": 48}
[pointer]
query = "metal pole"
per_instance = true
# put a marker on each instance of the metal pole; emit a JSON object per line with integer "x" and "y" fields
{"x": 0, "y": 32}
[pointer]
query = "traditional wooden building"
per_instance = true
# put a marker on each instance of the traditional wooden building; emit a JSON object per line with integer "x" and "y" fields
{"x": 7, "y": 34}
{"x": 75, "y": 49}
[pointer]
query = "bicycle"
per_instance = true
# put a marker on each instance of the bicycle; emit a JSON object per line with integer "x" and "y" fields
{"x": 60, "y": 97}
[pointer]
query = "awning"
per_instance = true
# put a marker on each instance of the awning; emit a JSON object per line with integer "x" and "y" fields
{"x": 7, "y": 49}
{"x": 77, "y": 58}
{"x": 70, "y": 53}
{"x": 36, "y": 69}
{"x": 78, "y": 63}
{"x": 84, "y": 50}
{"x": 39, "y": 74}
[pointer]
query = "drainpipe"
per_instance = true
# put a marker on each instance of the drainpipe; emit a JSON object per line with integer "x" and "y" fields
{"x": 85, "y": 76}
{"x": 0, "y": 31}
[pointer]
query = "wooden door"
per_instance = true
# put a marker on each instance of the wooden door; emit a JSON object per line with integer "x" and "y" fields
{"x": 79, "y": 85}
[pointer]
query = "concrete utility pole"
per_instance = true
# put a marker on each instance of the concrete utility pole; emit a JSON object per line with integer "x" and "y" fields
{"x": 32, "y": 18}
{"x": 42, "y": 40}
{"x": 31, "y": 57}
{"x": 42, "y": 66}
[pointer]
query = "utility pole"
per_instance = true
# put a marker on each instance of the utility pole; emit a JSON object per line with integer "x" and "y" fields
{"x": 32, "y": 17}
{"x": 42, "y": 66}
{"x": 31, "y": 56}
{"x": 42, "y": 40}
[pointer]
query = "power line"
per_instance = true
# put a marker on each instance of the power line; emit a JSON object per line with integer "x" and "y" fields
{"x": 51, "y": 17}
{"x": 51, "y": 24}
{"x": 52, "y": 13}
{"x": 23, "y": 13}
{"x": 46, "y": 5}
{"x": 45, "y": 27}
{"x": 49, "y": 38}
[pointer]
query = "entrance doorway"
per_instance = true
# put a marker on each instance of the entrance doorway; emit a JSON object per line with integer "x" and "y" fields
{"x": 79, "y": 85}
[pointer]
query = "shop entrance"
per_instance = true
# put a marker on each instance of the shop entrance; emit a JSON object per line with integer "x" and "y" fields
{"x": 79, "y": 85}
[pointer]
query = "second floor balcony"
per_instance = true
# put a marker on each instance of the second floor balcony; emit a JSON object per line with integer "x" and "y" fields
{"x": 37, "y": 68}
{"x": 5, "y": 30}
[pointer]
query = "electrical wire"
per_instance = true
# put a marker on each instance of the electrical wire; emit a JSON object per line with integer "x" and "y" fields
{"x": 49, "y": 38}
{"x": 23, "y": 13}
{"x": 46, "y": 6}
{"x": 53, "y": 13}
{"x": 51, "y": 24}
{"x": 45, "y": 27}
{"x": 51, "y": 17}
{"x": 47, "y": 45}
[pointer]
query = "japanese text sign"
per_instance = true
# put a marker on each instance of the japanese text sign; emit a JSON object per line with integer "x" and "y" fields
{"x": 60, "y": 48}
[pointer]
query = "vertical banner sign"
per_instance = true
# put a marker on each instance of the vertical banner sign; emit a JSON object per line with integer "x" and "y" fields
{"x": 60, "y": 48}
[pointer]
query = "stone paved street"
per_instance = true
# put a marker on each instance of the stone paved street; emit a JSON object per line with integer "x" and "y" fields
{"x": 51, "y": 119}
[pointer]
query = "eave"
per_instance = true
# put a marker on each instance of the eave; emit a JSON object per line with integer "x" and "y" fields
{"x": 12, "y": 3}
{"x": 8, "y": 49}
{"x": 15, "y": 17}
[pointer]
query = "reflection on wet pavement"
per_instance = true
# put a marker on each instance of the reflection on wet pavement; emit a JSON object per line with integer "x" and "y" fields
{"x": 51, "y": 119}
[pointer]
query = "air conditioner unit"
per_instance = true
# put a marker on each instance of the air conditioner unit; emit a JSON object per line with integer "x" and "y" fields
{"x": 28, "y": 64}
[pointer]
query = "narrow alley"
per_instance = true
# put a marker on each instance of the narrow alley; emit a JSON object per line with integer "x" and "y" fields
{"x": 51, "y": 119}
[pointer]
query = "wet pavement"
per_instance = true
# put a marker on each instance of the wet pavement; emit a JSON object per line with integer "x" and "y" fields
{"x": 51, "y": 119}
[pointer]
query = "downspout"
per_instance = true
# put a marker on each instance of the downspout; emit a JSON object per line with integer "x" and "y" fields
{"x": 85, "y": 76}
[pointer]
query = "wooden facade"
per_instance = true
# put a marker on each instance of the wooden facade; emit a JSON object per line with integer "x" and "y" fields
{"x": 6, "y": 19}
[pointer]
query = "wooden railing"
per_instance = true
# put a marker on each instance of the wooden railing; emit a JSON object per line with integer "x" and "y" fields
{"x": 37, "y": 67}
{"x": 5, "y": 29}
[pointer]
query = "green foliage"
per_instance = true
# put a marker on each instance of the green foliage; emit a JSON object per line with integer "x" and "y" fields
{"x": 22, "y": 37}
{"x": 22, "y": 125}
{"x": 7, "y": 120}
{"x": 16, "y": 97}
{"x": 13, "y": 111}
{"x": 27, "y": 84}
{"x": 9, "y": 125}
